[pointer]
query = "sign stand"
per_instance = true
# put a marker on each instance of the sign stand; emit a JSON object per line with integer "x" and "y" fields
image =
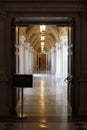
{"x": 22, "y": 81}
{"x": 22, "y": 115}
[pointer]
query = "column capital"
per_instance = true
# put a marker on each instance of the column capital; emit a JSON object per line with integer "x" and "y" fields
{"x": 26, "y": 45}
{"x": 17, "y": 46}
{"x": 17, "y": 53}
{"x": 59, "y": 46}
{"x": 55, "y": 48}
{"x": 21, "y": 39}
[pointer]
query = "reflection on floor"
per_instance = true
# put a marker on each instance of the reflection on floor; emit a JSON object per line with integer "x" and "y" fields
{"x": 46, "y": 98}
{"x": 46, "y": 107}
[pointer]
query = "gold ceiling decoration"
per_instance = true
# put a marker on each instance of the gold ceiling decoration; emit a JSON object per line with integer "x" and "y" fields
{"x": 50, "y": 36}
{"x": 22, "y": 31}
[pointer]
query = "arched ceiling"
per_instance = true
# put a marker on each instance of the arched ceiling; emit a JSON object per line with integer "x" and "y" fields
{"x": 33, "y": 36}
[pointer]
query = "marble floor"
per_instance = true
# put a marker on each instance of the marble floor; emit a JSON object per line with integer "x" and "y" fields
{"x": 46, "y": 107}
{"x": 48, "y": 97}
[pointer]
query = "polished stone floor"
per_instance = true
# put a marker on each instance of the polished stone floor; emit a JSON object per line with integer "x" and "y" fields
{"x": 46, "y": 107}
{"x": 48, "y": 97}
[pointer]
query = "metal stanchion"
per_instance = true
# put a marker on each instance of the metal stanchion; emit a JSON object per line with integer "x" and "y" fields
{"x": 22, "y": 115}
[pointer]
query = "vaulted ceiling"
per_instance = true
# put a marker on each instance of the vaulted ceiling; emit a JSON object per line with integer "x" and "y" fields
{"x": 33, "y": 35}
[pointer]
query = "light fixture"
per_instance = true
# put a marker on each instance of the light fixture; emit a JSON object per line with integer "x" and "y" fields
{"x": 42, "y": 43}
{"x": 42, "y": 38}
{"x": 42, "y": 28}
{"x": 42, "y": 48}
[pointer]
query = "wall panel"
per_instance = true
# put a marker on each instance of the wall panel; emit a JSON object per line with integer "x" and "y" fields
{"x": 84, "y": 46}
{"x": 5, "y": 80}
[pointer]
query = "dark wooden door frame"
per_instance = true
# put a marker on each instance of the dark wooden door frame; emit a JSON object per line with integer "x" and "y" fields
{"x": 76, "y": 45}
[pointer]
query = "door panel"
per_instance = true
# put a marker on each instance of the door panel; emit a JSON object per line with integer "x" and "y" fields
{"x": 70, "y": 65}
{"x": 13, "y": 61}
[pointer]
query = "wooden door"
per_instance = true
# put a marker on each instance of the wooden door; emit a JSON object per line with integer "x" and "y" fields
{"x": 70, "y": 66}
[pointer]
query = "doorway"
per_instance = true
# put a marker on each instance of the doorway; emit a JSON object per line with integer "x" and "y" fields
{"x": 34, "y": 62}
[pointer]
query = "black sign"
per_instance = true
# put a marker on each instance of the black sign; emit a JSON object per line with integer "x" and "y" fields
{"x": 23, "y": 80}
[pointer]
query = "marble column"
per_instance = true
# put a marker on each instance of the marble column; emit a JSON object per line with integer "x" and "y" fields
{"x": 46, "y": 61}
{"x": 49, "y": 53}
{"x": 52, "y": 60}
{"x": 59, "y": 62}
{"x": 21, "y": 54}
{"x": 26, "y": 63}
{"x": 65, "y": 57}
{"x": 30, "y": 60}
{"x": 17, "y": 58}
{"x": 55, "y": 59}
{"x": 35, "y": 61}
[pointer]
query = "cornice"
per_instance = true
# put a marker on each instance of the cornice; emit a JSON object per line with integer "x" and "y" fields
{"x": 43, "y": 5}
{"x": 45, "y": 1}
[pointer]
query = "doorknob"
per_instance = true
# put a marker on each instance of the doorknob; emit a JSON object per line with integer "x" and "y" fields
{"x": 68, "y": 79}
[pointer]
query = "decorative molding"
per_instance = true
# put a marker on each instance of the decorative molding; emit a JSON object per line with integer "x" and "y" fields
{"x": 43, "y": 6}
{"x": 65, "y": 1}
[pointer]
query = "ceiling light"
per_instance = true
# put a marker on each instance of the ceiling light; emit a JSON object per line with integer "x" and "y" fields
{"x": 42, "y": 28}
{"x": 42, "y": 38}
{"x": 42, "y": 47}
{"x": 42, "y": 43}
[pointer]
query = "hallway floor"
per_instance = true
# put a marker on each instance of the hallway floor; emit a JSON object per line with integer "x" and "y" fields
{"x": 46, "y": 107}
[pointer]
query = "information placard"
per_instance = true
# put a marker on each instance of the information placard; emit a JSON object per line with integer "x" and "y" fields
{"x": 23, "y": 80}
